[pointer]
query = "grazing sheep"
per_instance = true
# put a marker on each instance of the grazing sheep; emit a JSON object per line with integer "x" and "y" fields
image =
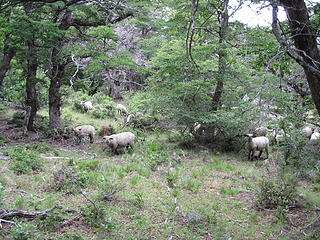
{"x": 315, "y": 136}
{"x": 85, "y": 130}
{"x": 120, "y": 140}
{"x": 261, "y": 131}
{"x": 257, "y": 143}
{"x": 198, "y": 128}
{"x": 307, "y": 131}
{"x": 105, "y": 131}
{"x": 86, "y": 105}
{"x": 121, "y": 109}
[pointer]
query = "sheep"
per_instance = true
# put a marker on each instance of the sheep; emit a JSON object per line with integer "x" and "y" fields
{"x": 198, "y": 128}
{"x": 85, "y": 130}
{"x": 257, "y": 143}
{"x": 120, "y": 140}
{"x": 121, "y": 109}
{"x": 86, "y": 105}
{"x": 315, "y": 136}
{"x": 307, "y": 131}
{"x": 261, "y": 131}
{"x": 105, "y": 131}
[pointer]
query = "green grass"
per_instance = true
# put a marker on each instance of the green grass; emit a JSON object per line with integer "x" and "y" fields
{"x": 160, "y": 192}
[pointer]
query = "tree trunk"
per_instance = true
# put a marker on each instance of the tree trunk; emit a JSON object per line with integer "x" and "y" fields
{"x": 216, "y": 99}
{"x": 54, "y": 92}
{"x": 8, "y": 54}
{"x": 307, "y": 53}
{"x": 31, "y": 80}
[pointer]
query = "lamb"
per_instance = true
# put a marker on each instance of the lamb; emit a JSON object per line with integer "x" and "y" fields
{"x": 315, "y": 136}
{"x": 105, "y": 131}
{"x": 86, "y": 105}
{"x": 85, "y": 130}
{"x": 257, "y": 143}
{"x": 121, "y": 109}
{"x": 261, "y": 131}
{"x": 307, "y": 131}
{"x": 120, "y": 140}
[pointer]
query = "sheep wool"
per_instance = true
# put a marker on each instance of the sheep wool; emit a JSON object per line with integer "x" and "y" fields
{"x": 315, "y": 136}
{"x": 121, "y": 109}
{"x": 85, "y": 130}
{"x": 261, "y": 131}
{"x": 307, "y": 131}
{"x": 257, "y": 143}
{"x": 120, "y": 140}
{"x": 87, "y": 105}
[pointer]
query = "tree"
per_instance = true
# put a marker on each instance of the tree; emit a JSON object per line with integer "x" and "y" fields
{"x": 305, "y": 50}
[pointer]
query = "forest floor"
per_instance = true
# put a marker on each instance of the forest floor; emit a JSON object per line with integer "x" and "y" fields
{"x": 156, "y": 191}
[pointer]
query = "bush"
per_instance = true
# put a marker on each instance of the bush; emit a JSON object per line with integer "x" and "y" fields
{"x": 280, "y": 192}
{"x": 39, "y": 147}
{"x": 3, "y": 141}
{"x": 69, "y": 181}
{"x": 302, "y": 156}
{"x": 24, "y": 161}
{"x": 17, "y": 119}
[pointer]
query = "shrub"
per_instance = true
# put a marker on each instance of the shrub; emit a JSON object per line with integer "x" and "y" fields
{"x": 25, "y": 232}
{"x": 39, "y": 147}
{"x": 24, "y": 161}
{"x": 280, "y": 192}
{"x": 3, "y": 141}
{"x": 69, "y": 181}
{"x": 17, "y": 119}
{"x": 302, "y": 156}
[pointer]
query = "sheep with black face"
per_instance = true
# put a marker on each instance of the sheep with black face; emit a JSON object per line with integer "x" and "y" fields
{"x": 257, "y": 143}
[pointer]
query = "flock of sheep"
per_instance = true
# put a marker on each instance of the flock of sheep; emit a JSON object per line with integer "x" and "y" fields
{"x": 258, "y": 141}
{"x": 114, "y": 141}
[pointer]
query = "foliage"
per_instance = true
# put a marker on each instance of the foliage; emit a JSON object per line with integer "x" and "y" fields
{"x": 39, "y": 147}
{"x": 274, "y": 193}
{"x": 301, "y": 155}
{"x": 25, "y": 231}
{"x": 68, "y": 180}
{"x": 23, "y": 161}
{"x": 3, "y": 140}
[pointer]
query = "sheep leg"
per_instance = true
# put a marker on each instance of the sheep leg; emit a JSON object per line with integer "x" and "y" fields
{"x": 267, "y": 153}
{"x": 91, "y": 138}
{"x": 260, "y": 154}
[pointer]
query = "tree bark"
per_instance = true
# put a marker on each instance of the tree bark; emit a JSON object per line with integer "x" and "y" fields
{"x": 8, "y": 53}
{"x": 306, "y": 52}
{"x": 31, "y": 80}
{"x": 54, "y": 92}
{"x": 216, "y": 99}
{"x": 31, "y": 75}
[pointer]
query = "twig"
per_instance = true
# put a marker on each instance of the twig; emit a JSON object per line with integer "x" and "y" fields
{"x": 6, "y": 221}
{"x": 21, "y": 213}
{"x": 89, "y": 200}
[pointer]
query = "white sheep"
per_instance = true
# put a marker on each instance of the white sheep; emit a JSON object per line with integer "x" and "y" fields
{"x": 120, "y": 140}
{"x": 87, "y": 105}
{"x": 257, "y": 143}
{"x": 121, "y": 109}
{"x": 261, "y": 131}
{"x": 85, "y": 130}
{"x": 198, "y": 128}
{"x": 307, "y": 131}
{"x": 315, "y": 136}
